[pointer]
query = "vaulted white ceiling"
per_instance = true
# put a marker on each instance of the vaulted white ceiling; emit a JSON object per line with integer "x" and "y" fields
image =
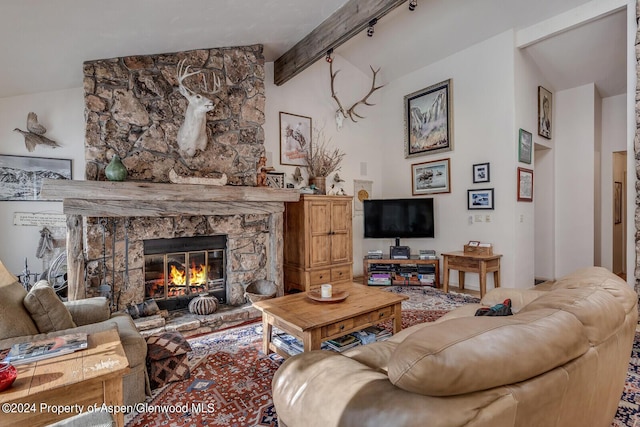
{"x": 43, "y": 43}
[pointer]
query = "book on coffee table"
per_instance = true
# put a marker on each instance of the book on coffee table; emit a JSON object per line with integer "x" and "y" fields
{"x": 28, "y": 352}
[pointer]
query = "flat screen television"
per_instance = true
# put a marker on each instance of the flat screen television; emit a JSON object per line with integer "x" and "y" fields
{"x": 398, "y": 218}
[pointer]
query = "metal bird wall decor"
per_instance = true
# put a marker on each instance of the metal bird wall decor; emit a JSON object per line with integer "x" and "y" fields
{"x": 34, "y": 135}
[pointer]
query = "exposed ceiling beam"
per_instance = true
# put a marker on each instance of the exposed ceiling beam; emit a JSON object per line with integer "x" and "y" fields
{"x": 353, "y": 17}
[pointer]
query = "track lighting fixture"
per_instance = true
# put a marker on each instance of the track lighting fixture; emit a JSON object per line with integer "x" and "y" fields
{"x": 413, "y": 4}
{"x": 328, "y": 58}
{"x": 370, "y": 30}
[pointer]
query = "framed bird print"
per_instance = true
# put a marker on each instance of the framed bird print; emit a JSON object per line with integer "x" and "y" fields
{"x": 22, "y": 176}
{"x": 295, "y": 139}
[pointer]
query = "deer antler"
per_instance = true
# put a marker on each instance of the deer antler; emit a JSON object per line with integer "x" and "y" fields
{"x": 183, "y": 73}
{"x": 350, "y": 113}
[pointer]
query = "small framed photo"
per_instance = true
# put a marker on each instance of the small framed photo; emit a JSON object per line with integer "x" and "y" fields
{"x": 431, "y": 177}
{"x": 544, "y": 112}
{"x": 473, "y": 243}
{"x": 480, "y": 199}
{"x": 428, "y": 127}
{"x": 22, "y": 176}
{"x": 525, "y": 185}
{"x": 481, "y": 173}
{"x": 525, "y": 145}
{"x": 295, "y": 139}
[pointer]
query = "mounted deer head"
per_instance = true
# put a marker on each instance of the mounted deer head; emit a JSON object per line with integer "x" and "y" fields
{"x": 341, "y": 112}
{"x": 192, "y": 135}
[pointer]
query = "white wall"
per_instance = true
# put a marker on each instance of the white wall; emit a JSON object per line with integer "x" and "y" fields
{"x": 534, "y": 229}
{"x": 62, "y": 113}
{"x": 575, "y": 193}
{"x": 483, "y": 131}
{"x": 309, "y": 94}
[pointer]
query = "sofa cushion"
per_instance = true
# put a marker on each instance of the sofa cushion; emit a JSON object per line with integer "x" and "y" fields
{"x": 594, "y": 307}
{"x": 462, "y": 356}
{"x": 47, "y": 311}
{"x": 15, "y": 320}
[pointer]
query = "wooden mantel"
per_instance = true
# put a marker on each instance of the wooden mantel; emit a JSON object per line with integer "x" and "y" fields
{"x": 142, "y": 198}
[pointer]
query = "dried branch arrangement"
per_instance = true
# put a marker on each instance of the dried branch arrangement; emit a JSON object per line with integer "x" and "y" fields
{"x": 320, "y": 159}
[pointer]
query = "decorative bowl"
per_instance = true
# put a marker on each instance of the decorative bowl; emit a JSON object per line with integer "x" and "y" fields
{"x": 8, "y": 375}
{"x": 260, "y": 290}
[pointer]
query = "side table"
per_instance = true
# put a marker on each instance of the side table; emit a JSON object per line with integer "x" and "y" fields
{"x": 472, "y": 263}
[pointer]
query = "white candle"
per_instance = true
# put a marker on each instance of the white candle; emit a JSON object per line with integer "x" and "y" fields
{"x": 325, "y": 291}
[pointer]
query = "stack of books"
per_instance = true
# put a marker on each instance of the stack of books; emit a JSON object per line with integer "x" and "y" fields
{"x": 379, "y": 279}
{"x": 344, "y": 343}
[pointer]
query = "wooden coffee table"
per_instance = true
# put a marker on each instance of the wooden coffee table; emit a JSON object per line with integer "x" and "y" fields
{"x": 314, "y": 322}
{"x": 84, "y": 378}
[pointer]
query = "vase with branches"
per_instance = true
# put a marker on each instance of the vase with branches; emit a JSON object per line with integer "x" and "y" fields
{"x": 321, "y": 160}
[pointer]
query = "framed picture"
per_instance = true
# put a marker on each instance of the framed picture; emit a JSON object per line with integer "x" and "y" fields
{"x": 617, "y": 202}
{"x": 481, "y": 173}
{"x": 480, "y": 199}
{"x": 295, "y": 139}
{"x": 544, "y": 112}
{"x": 431, "y": 177}
{"x": 525, "y": 185}
{"x": 473, "y": 243}
{"x": 525, "y": 144}
{"x": 428, "y": 120}
{"x": 22, "y": 176}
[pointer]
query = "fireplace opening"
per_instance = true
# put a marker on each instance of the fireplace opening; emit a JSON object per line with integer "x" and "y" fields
{"x": 177, "y": 270}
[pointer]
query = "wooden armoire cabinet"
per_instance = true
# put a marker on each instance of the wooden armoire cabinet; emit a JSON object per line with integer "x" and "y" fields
{"x": 318, "y": 245}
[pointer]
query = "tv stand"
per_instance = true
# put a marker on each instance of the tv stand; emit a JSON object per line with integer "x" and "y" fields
{"x": 401, "y": 272}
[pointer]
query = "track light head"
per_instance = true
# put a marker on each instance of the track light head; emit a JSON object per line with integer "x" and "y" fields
{"x": 370, "y": 29}
{"x": 413, "y": 4}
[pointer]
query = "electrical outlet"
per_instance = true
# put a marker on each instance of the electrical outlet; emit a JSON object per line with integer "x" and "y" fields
{"x": 521, "y": 217}
{"x": 477, "y": 218}
{"x": 487, "y": 218}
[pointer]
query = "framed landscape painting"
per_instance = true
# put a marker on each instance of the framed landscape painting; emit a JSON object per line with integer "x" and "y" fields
{"x": 480, "y": 199}
{"x": 428, "y": 120}
{"x": 431, "y": 177}
{"x": 295, "y": 139}
{"x": 22, "y": 176}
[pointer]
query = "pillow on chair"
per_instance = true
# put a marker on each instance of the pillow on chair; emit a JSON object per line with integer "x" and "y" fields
{"x": 47, "y": 311}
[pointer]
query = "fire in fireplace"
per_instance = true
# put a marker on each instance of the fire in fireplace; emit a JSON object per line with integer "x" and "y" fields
{"x": 177, "y": 270}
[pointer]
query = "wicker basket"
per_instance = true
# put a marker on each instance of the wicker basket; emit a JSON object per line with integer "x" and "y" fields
{"x": 260, "y": 290}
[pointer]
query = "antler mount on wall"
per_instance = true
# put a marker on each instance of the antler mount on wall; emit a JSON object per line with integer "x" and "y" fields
{"x": 350, "y": 113}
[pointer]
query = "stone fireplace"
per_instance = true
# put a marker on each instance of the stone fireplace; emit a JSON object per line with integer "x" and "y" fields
{"x": 108, "y": 224}
{"x": 133, "y": 109}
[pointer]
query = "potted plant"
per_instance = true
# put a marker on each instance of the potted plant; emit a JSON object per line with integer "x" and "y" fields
{"x": 322, "y": 161}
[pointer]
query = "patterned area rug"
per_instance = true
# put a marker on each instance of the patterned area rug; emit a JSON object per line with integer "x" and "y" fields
{"x": 230, "y": 382}
{"x": 628, "y": 414}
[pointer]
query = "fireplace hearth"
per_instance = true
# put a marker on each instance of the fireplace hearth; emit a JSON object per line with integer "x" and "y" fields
{"x": 179, "y": 269}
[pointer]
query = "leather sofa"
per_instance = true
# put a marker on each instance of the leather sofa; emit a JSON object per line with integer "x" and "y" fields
{"x": 560, "y": 360}
{"x": 40, "y": 314}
